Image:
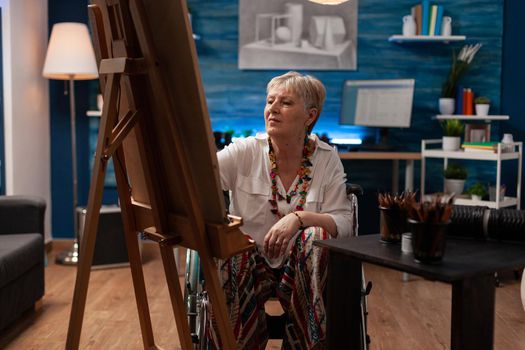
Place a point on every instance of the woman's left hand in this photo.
(277, 239)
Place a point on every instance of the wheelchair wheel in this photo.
(196, 300)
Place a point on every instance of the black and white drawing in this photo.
(274, 34)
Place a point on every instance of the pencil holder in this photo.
(392, 224)
(428, 240)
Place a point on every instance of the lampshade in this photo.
(328, 2)
(70, 54)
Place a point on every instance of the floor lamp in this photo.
(70, 56)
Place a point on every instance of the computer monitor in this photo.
(377, 103)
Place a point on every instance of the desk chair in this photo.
(197, 300)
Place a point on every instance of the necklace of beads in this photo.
(303, 174)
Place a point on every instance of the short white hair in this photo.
(309, 88)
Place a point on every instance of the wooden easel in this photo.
(155, 126)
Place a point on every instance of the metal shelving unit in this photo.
(501, 154)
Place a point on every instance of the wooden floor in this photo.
(403, 315)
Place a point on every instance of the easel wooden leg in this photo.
(177, 303)
(135, 261)
(87, 244)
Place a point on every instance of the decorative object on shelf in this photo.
(507, 138)
(455, 176)
(452, 131)
(493, 191)
(446, 26)
(482, 104)
(507, 143)
(477, 191)
(393, 209)
(429, 224)
(409, 25)
(446, 105)
(460, 65)
(70, 56)
(477, 133)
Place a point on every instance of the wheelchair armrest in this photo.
(354, 189)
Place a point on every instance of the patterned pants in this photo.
(249, 282)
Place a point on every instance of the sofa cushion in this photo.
(18, 254)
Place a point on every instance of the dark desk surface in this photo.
(462, 259)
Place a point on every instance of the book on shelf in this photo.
(480, 146)
(425, 16)
(428, 18)
(416, 14)
(433, 16)
(439, 19)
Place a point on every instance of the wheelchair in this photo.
(197, 302)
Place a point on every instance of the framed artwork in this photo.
(297, 35)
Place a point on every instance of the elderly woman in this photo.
(289, 187)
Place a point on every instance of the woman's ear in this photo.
(313, 113)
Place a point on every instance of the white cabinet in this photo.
(432, 149)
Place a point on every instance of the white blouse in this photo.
(245, 172)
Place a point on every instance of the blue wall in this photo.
(512, 78)
(236, 98)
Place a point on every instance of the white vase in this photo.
(295, 22)
(482, 109)
(454, 186)
(451, 143)
(446, 105)
(446, 26)
(409, 26)
(475, 197)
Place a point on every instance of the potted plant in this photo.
(452, 131)
(455, 176)
(482, 105)
(477, 191)
(460, 64)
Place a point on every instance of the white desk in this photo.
(395, 157)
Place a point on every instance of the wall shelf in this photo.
(425, 38)
(472, 117)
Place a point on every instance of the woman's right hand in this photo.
(277, 239)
